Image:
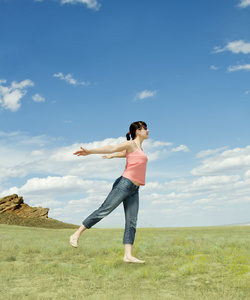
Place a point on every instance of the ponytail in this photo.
(128, 136)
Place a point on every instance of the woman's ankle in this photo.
(128, 256)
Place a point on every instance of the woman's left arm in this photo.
(115, 155)
(109, 149)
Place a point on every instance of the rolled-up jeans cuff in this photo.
(85, 225)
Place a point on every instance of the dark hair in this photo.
(133, 127)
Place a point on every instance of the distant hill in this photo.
(239, 224)
(13, 211)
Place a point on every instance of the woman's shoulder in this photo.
(132, 147)
(127, 143)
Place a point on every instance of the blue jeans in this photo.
(123, 190)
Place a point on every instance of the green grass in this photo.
(181, 263)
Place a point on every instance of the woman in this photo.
(125, 188)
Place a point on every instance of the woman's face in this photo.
(143, 132)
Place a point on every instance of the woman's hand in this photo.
(83, 152)
(107, 156)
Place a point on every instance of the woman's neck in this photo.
(138, 141)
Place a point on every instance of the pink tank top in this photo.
(135, 169)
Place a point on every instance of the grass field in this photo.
(181, 263)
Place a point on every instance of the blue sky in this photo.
(78, 72)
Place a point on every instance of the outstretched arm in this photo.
(105, 149)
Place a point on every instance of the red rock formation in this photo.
(15, 205)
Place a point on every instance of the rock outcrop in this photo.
(13, 211)
(15, 205)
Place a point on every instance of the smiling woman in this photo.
(125, 189)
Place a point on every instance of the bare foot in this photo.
(73, 241)
(133, 260)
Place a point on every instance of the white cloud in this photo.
(246, 93)
(212, 183)
(11, 100)
(238, 46)
(175, 184)
(229, 161)
(17, 151)
(239, 68)
(69, 78)
(37, 153)
(213, 68)
(23, 139)
(54, 185)
(183, 148)
(247, 174)
(91, 4)
(10, 96)
(145, 94)
(156, 144)
(210, 152)
(244, 3)
(22, 85)
(155, 149)
(235, 47)
(38, 98)
(163, 199)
